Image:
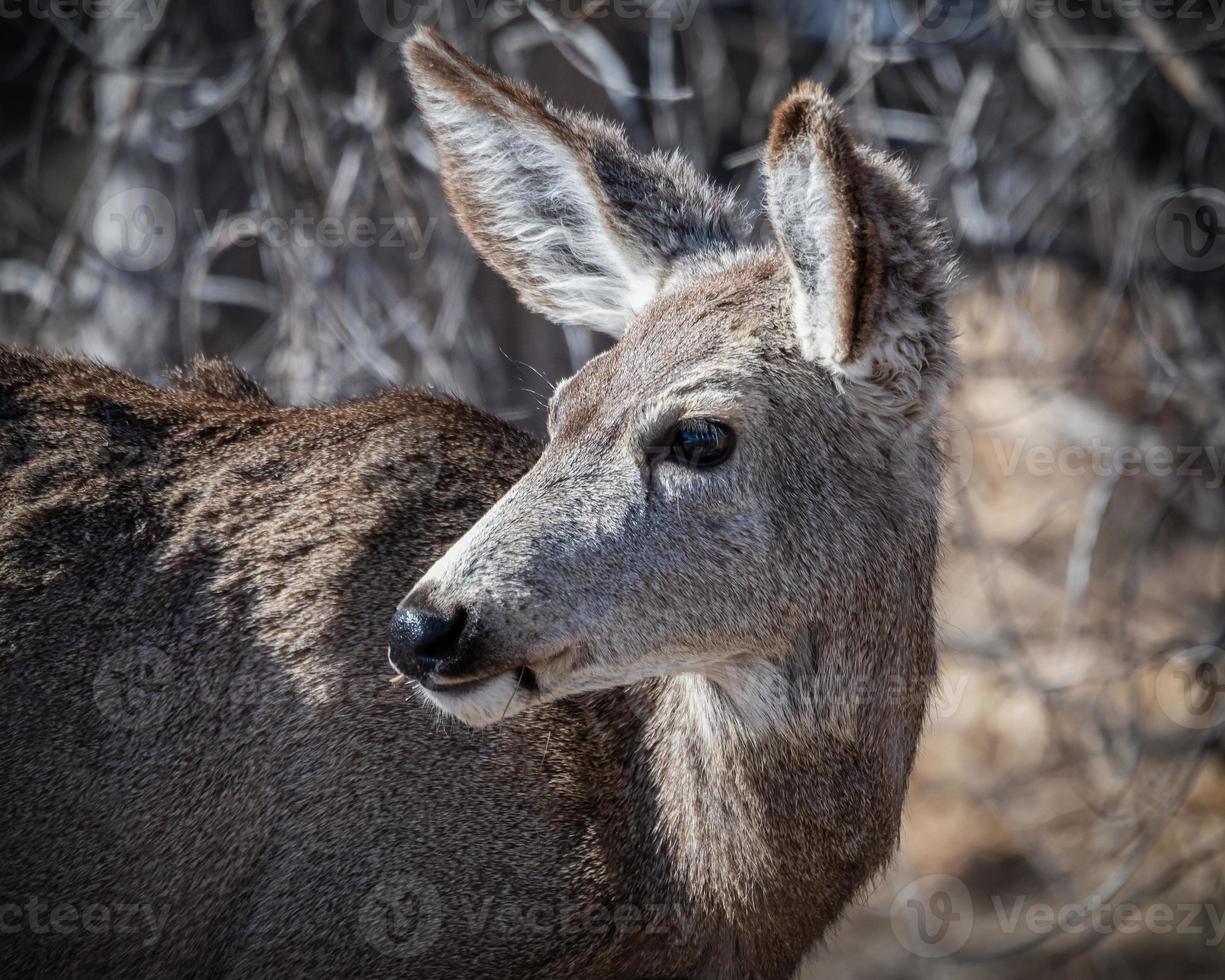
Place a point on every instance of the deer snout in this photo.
(424, 642)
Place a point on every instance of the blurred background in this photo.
(249, 178)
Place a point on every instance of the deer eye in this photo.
(700, 443)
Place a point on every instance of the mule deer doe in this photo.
(698, 623)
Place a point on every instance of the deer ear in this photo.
(582, 227)
(817, 188)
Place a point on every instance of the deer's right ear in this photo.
(582, 226)
(819, 200)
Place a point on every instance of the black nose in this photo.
(421, 640)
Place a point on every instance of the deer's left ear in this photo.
(819, 202)
(583, 227)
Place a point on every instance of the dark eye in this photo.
(700, 443)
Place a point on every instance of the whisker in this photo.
(513, 692)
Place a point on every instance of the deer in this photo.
(657, 682)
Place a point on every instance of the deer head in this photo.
(743, 491)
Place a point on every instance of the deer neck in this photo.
(772, 807)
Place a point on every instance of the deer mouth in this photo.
(525, 676)
(482, 698)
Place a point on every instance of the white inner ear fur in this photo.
(904, 366)
(803, 212)
(537, 201)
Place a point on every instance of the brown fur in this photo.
(729, 667)
(273, 781)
